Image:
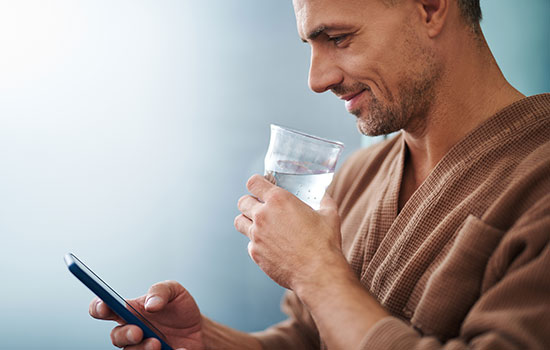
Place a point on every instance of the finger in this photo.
(269, 177)
(148, 344)
(248, 205)
(243, 224)
(259, 186)
(161, 294)
(98, 309)
(125, 335)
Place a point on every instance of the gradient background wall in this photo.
(128, 130)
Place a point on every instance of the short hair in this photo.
(471, 13)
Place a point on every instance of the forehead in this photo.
(311, 14)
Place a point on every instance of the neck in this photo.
(471, 90)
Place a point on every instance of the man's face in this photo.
(371, 55)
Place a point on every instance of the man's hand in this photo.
(291, 242)
(169, 307)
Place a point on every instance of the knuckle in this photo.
(163, 286)
(160, 289)
(277, 195)
(172, 283)
(170, 289)
(252, 251)
(253, 234)
(159, 286)
(260, 218)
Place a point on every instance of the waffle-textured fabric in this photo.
(466, 263)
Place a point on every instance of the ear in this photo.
(434, 15)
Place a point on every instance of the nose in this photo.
(324, 73)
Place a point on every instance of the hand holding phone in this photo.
(174, 319)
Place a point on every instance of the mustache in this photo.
(344, 90)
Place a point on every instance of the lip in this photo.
(352, 100)
(350, 96)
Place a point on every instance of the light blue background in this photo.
(128, 130)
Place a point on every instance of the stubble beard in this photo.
(416, 96)
(409, 111)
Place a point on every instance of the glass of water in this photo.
(301, 164)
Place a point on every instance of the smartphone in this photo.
(113, 299)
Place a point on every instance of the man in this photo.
(436, 238)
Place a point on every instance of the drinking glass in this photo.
(301, 164)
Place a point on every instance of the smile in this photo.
(353, 100)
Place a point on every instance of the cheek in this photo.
(373, 69)
(382, 52)
(385, 64)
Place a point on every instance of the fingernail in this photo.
(97, 306)
(149, 345)
(130, 336)
(152, 302)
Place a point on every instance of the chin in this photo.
(372, 126)
(367, 129)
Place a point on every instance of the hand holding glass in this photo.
(301, 164)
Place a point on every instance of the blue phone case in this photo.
(113, 299)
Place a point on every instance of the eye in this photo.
(337, 39)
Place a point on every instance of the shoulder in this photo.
(521, 172)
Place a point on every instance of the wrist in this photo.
(323, 280)
(218, 336)
(341, 306)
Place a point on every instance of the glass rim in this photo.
(334, 142)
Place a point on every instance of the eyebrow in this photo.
(315, 33)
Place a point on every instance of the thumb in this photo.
(161, 294)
